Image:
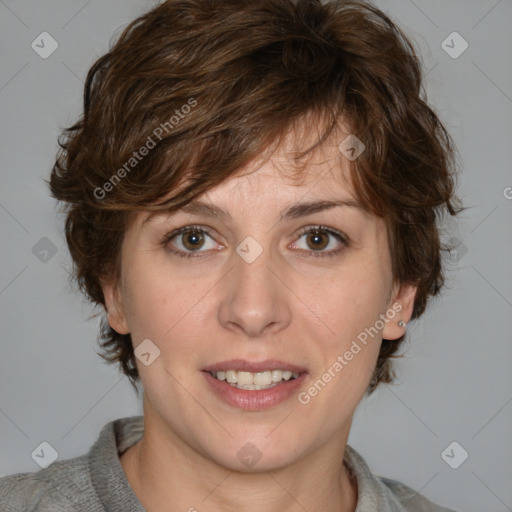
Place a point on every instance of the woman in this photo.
(252, 195)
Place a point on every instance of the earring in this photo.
(401, 323)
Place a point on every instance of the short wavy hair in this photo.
(194, 90)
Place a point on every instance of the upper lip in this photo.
(253, 366)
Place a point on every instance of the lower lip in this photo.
(258, 399)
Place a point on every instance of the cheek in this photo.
(350, 305)
(353, 298)
(164, 305)
(346, 354)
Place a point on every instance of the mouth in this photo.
(254, 385)
(254, 380)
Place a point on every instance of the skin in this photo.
(284, 305)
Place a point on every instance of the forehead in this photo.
(322, 171)
(279, 176)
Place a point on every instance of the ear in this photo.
(114, 307)
(402, 304)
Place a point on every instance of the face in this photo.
(264, 287)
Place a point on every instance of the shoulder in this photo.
(79, 484)
(376, 493)
(63, 486)
(410, 499)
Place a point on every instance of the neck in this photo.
(166, 473)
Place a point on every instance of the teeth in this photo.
(244, 378)
(277, 375)
(262, 378)
(254, 381)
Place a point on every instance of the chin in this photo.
(259, 451)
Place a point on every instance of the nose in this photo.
(255, 302)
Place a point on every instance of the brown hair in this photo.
(208, 86)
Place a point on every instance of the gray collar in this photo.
(107, 474)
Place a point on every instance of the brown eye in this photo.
(320, 241)
(317, 240)
(192, 240)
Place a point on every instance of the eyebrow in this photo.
(294, 211)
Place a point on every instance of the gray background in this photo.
(454, 383)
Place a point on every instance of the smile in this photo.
(254, 380)
(254, 386)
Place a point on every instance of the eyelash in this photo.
(310, 229)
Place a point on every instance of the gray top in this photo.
(96, 482)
